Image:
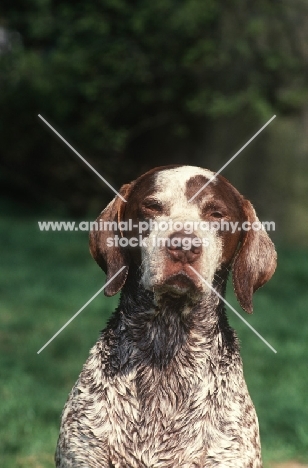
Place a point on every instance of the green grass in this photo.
(278, 382)
(47, 277)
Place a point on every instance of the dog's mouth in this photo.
(178, 284)
(180, 280)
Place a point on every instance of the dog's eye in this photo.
(152, 205)
(211, 210)
(216, 214)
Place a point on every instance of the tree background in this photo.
(132, 85)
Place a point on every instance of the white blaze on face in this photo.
(171, 192)
(171, 187)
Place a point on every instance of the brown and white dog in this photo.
(163, 386)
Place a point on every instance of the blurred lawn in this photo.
(47, 277)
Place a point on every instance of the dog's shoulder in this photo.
(84, 416)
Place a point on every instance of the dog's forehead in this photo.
(179, 179)
(177, 185)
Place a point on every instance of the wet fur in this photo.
(163, 386)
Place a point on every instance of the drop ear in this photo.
(255, 261)
(102, 246)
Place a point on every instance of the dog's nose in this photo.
(185, 248)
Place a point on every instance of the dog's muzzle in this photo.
(184, 248)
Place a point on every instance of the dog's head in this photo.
(178, 239)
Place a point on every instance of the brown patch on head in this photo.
(144, 187)
(141, 188)
(194, 184)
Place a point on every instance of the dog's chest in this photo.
(165, 419)
(159, 417)
(189, 413)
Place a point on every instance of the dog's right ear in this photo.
(109, 257)
(254, 263)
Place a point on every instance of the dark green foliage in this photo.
(133, 84)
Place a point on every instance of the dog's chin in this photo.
(179, 285)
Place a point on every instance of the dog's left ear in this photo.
(105, 251)
(255, 261)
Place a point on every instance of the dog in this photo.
(163, 386)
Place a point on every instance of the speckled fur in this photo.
(161, 390)
(163, 387)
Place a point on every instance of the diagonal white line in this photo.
(231, 159)
(80, 310)
(235, 311)
(83, 159)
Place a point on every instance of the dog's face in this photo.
(175, 239)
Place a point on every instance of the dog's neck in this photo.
(158, 331)
(166, 349)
